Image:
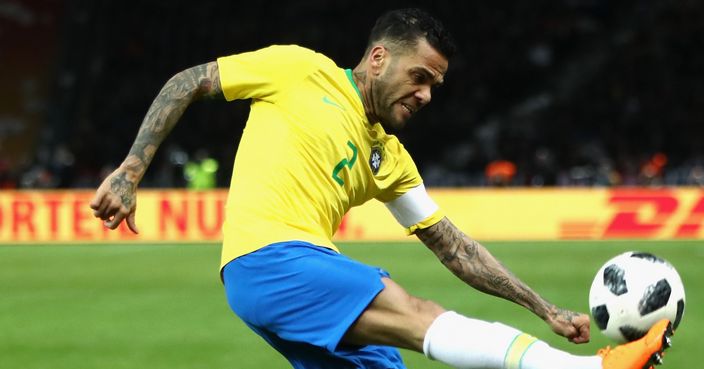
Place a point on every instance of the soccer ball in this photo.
(633, 291)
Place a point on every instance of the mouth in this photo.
(409, 109)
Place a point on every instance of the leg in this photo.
(302, 299)
(394, 318)
(398, 319)
(279, 289)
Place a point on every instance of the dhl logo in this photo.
(643, 214)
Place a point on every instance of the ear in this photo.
(377, 59)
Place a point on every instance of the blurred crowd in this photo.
(543, 93)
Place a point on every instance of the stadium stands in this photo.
(574, 92)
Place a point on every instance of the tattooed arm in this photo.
(115, 199)
(473, 264)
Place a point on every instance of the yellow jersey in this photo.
(308, 152)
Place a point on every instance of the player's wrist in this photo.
(133, 169)
(548, 312)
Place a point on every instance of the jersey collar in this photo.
(349, 76)
(348, 72)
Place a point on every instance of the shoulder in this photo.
(296, 53)
(392, 144)
(291, 50)
(265, 71)
(279, 54)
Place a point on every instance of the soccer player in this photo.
(314, 146)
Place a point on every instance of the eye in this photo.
(418, 78)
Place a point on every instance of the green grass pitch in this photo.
(157, 306)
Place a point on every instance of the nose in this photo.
(424, 95)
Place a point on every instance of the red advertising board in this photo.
(486, 214)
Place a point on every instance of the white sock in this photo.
(540, 355)
(466, 343)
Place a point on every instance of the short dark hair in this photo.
(406, 26)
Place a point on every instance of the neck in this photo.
(359, 75)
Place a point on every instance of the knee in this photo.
(426, 307)
(394, 318)
(420, 315)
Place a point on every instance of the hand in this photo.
(115, 200)
(574, 326)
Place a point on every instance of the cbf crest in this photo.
(376, 157)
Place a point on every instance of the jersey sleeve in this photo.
(264, 73)
(407, 199)
(415, 210)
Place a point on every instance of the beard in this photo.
(384, 102)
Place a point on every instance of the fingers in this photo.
(580, 339)
(108, 207)
(97, 201)
(584, 333)
(580, 335)
(115, 221)
(115, 201)
(131, 223)
(100, 210)
(111, 210)
(570, 332)
(571, 325)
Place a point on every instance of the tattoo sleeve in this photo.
(473, 264)
(202, 81)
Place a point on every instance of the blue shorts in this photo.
(302, 299)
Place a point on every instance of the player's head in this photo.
(403, 28)
(406, 56)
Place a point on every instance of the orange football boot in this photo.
(643, 353)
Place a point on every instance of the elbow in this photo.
(190, 84)
(180, 87)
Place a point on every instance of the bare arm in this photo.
(115, 199)
(178, 93)
(474, 264)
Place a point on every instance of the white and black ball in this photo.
(633, 291)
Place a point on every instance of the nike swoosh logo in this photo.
(330, 102)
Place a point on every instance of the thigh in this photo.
(394, 318)
(302, 299)
(305, 356)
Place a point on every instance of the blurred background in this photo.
(542, 93)
(595, 106)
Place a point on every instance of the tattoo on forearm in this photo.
(472, 263)
(563, 314)
(177, 94)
